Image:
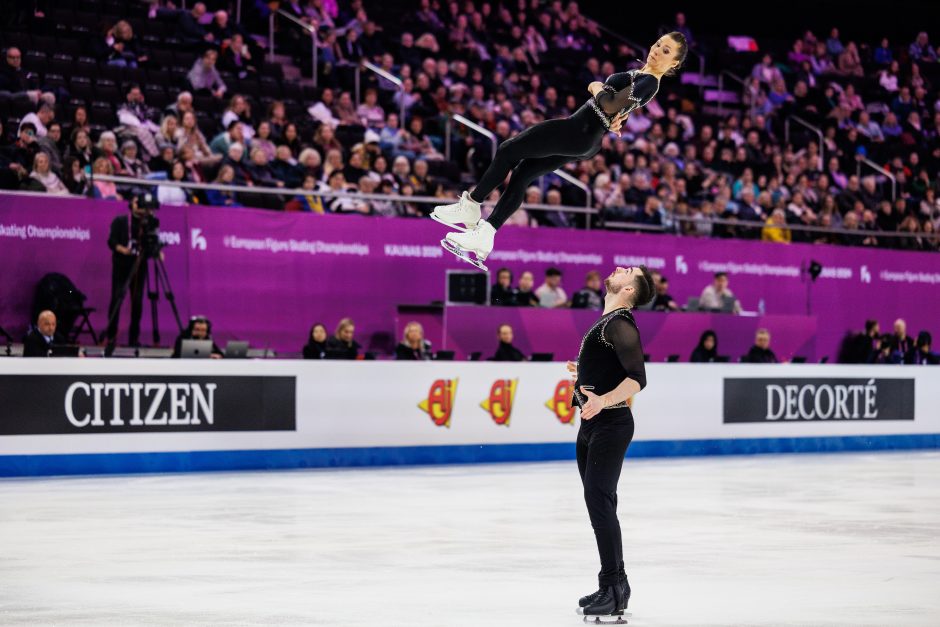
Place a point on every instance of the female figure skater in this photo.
(547, 146)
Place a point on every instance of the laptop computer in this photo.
(196, 349)
(236, 349)
(63, 350)
(543, 356)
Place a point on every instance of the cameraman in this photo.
(127, 234)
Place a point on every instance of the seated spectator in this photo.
(259, 171)
(204, 77)
(506, 351)
(921, 353)
(343, 345)
(921, 50)
(315, 348)
(550, 293)
(589, 296)
(74, 177)
(502, 293)
(40, 119)
(189, 136)
(107, 149)
(775, 228)
(714, 296)
(307, 200)
(263, 141)
(42, 179)
(106, 190)
(901, 342)
(285, 168)
(80, 148)
(342, 202)
(239, 110)
(236, 58)
(322, 110)
(199, 329)
(174, 196)
(139, 120)
(860, 348)
(760, 353)
(220, 198)
(663, 301)
(42, 337)
(134, 166)
(413, 346)
(371, 115)
(525, 297)
(707, 349)
(191, 30)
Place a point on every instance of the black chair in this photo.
(36, 61)
(81, 87)
(86, 66)
(672, 359)
(542, 356)
(444, 356)
(62, 64)
(83, 326)
(475, 356)
(107, 91)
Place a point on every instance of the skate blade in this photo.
(448, 224)
(606, 619)
(463, 254)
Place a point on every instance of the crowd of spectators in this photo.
(678, 166)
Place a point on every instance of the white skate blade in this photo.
(460, 253)
(605, 619)
(449, 224)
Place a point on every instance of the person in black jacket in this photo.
(315, 348)
(40, 339)
(760, 353)
(413, 346)
(921, 353)
(342, 345)
(525, 296)
(124, 241)
(506, 351)
(589, 296)
(707, 349)
(503, 292)
(199, 329)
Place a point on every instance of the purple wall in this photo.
(266, 276)
(559, 331)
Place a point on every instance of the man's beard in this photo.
(611, 288)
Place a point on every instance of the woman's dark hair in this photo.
(682, 49)
(705, 336)
(314, 328)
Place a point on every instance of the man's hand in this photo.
(593, 406)
(617, 122)
(572, 367)
(594, 87)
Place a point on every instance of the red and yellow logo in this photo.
(499, 403)
(560, 403)
(440, 401)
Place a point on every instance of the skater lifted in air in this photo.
(609, 371)
(547, 146)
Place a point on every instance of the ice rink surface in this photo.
(768, 540)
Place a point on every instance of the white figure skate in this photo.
(473, 246)
(465, 211)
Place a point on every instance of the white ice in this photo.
(769, 540)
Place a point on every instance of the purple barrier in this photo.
(266, 276)
(559, 331)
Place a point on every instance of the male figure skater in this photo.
(609, 371)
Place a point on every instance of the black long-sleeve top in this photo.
(610, 352)
(624, 92)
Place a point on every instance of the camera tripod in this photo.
(156, 282)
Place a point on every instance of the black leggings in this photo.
(602, 443)
(536, 151)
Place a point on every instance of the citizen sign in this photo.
(34, 405)
(800, 400)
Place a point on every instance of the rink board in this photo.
(113, 416)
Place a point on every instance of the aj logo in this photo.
(440, 401)
(560, 403)
(499, 403)
(198, 239)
